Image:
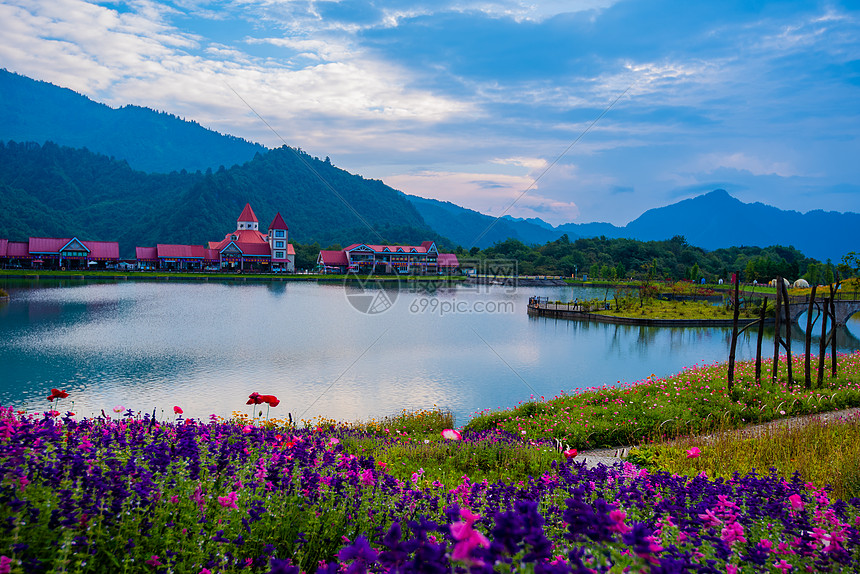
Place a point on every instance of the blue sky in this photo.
(476, 102)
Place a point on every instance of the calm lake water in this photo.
(207, 346)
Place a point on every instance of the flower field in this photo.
(128, 493)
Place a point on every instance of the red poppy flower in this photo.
(57, 394)
(272, 400)
(177, 410)
(254, 399)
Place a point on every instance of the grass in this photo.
(518, 443)
(694, 401)
(821, 452)
(213, 275)
(660, 309)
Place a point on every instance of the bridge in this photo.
(844, 308)
(797, 306)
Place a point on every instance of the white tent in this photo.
(801, 284)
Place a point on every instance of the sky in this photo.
(567, 110)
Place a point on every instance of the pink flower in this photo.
(118, 409)
(229, 501)
(154, 561)
(732, 533)
(618, 517)
(451, 434)
(367, 478)
(694, 452)
(177, 411)
(5, 565)
(796, 502)
(569, 453)
(782, 565)
(731, 569)
(467, 538)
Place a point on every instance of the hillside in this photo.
(469, 228)
(716, 219)
(150, 141)
(59, 191)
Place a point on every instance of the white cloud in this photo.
(745, 162)
(490, 193)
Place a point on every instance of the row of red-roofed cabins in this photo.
(58, 253)
(178, 257)
(423, 259)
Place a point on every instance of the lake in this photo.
(205, 346)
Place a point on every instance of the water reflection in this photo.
(207, 345)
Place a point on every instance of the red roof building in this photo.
(243, 248)
(401, 259)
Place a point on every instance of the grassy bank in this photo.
(52, 274)
(694, 401)
(661, 309)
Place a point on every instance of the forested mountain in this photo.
(470, 228)
(714, 220)
(58, 191)
(150, 141)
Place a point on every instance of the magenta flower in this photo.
(467, 538)
(229, 501)
(694, 452)
(154, 561)
(5, 565)
(451, 434)
(796, 502)
(618, 517)
(367, 477)
(732, 533)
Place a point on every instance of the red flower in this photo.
(254, 399)
(57, 394)
(272, 400)
(569, 453)
(177, 410)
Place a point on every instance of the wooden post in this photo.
(787, 343)
(734, 343)
(807, 371)
(822, 343)
(774, 369)
(833, 329)
(758, 342)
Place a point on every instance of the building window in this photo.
(279, 244)
(279, 254)
(279, 233)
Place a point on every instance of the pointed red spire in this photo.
(278, 222)
(247, 214)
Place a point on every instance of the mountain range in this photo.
(73, 166)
